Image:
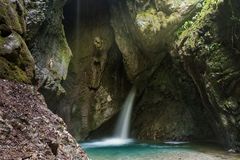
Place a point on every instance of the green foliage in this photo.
(214, 46)
(184, 27)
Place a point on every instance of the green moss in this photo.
(65, 53)
(8, 12)
(152, 20)
(18, 65)
(209, 7)
(184, 27)
(12, 72)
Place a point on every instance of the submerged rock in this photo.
(29, 130)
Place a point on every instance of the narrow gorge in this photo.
(79, 59)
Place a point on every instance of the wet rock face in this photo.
(96, 83)
(15, 58)
(46, 40)
(144, 29)
(210, 51)
(29, 130)
(39, 24)
(143, 32)
(110, 50)
(170, 107)
(153, 16)
(25, 121)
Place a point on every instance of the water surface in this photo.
(149, 151)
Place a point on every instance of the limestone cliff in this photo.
(33, 51)
(209, 48)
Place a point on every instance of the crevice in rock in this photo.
(53, 147)
(5, 31)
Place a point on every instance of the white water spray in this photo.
(123, 124)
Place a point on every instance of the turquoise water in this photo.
(150, 151)
(132, 151)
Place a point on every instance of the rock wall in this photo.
(96, 83)
(114, 46)
(144, 34)
(33, 43)
(33, 50)
(45, 37)
(29, 130)
(209, 49)
(181, 55)
(170, 107)
(16, 60)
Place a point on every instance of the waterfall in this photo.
(123, 124)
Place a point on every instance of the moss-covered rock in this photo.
(47, 43)
(144, 30)
(210, 51)
(12, 15)
(12, 72)
(96, 82)
(107, 45)
(16, 60)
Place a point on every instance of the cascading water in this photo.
(123, 124)
(120, 136)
